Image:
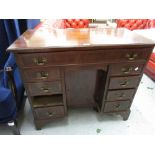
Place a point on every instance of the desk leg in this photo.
(38, 125)
(125, 114)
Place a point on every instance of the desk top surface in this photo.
(51, 38)
(149, 33)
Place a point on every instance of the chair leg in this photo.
(14, 126)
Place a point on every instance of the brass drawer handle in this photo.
(131, 56)
(117, 105)
(46, 90)
(50, 114)
(121, 96)
(126, 70)
(43, 75)
(124, 83)
(40, 61)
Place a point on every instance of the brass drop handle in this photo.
(43, 75)
(40, 61)
(124, 83)
(117, 105)
(121, 96)
(50, 114)
(126, 70)
(46, 90)
(131, 56)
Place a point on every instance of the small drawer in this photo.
(50, 112)
(117, 106)
(44, 88)
(126, 69)
(124, 82)
(120, 94)
(47, 101)
(41, 74)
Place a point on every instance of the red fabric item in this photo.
(150, 24)
(71, 23)
(132, 24)
(150, 74)
(76, 23)
(151, 66)
(152, 57)
(65, 23)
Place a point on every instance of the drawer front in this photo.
(124, 82)
(41, 74)
(115, 55)
(50, 112)
(82, 57)
(120, 94)
(126, 69)
(44, 88)
(47, 59)
(116, 106)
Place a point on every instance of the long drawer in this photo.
(82, 57)
(41, 74)
(114, 95)
(44, 88)
(124, 82)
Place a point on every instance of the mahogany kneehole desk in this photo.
(64, 68)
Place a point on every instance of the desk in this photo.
(69, 68)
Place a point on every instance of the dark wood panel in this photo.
(100, 88)
(124, 82)
(80, 87)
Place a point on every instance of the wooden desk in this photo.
(99, 68)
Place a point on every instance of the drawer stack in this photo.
(45, 88)
(123, 82)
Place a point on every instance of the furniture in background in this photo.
(11, 94)
(70, 68)
(10, 29)
(150, 68)
(11, 86)
(136, 24)
(71, 23)
(132, 24)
